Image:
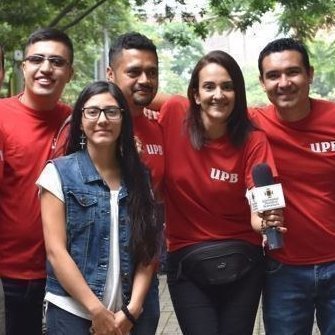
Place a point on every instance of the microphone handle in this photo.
(274, 238)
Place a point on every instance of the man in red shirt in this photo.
(29, 126)
(133, 66)
(301, 130)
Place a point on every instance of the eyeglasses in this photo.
(112, 113)
(55, 61)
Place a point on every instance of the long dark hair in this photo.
(141, 206)
(238, 124)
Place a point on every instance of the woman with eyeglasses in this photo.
(99, 221)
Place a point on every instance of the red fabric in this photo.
(26, 138)
(304, 153)
(205, 189)
(150, 136)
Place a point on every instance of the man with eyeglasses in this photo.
(133, 66)
(29, 127)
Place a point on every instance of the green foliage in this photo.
(179, 45)
(84, 20)
(300, 18)
(322, 57)
(305, 18)
(179, 48)
(255, 94)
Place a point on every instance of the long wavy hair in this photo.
(140, 202)
(238, 123)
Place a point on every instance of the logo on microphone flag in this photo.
(266, 198)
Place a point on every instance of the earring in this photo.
(82, 141)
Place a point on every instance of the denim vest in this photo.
(87, 207)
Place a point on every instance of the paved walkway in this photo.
(168, 324)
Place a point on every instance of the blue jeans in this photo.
(23, 305)
(147, 323)
(228, 309)
(293, 293)
(60, 322)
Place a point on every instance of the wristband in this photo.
(129, 316)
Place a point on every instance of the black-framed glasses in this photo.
(112, 113)
(55, 61)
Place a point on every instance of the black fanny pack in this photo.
(219, 262)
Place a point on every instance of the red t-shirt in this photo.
(152, 155)
(26, 140)
(205, 189)
(304, 153)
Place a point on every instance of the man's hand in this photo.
(151, 114)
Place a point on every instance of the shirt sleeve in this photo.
(49, 180)
(258, 151)
(176, 104)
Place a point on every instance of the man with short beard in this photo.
(133, 66)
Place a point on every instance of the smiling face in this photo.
(216, 95)
(101, 133)
(44, 82)
(136, 73)
(286, 82)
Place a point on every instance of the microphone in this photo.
(267, 196)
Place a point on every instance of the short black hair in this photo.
(131, 40)
(51, 34)
(280, 45)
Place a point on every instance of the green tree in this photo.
(87, 20)
(322, 57)
(255, 93)
(84, 20)
(301, 18)
(179, 48)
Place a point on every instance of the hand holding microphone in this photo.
(267, 198)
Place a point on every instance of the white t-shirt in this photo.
(112, 299)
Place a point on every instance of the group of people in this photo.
(82, 193)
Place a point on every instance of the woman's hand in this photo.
(123, 323)
(104, 323)
(273, 218)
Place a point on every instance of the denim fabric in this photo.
(293, 294)
(87, 201)
(147, 323)
(23, 305)
(61, 322)
(228, 309)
